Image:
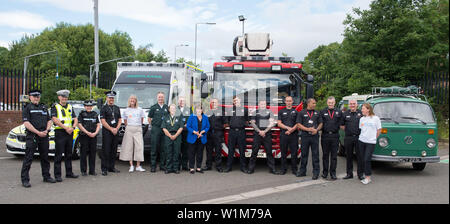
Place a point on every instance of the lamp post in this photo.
(180, 45)
(242, 19)
(27, 59)
(195, 51)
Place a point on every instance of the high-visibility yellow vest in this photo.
(66, 117)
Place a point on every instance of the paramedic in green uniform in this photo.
(155, 118)
(172, 127)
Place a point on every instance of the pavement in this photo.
(392, 183)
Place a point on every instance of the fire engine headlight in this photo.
(431, 143)
(238, 67)
(383, 142)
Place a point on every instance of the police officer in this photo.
(331, 118)
(350, 123)
(287, 118)
(237, 117)
(262, 122)
(65, 121)
(185, 112)
(310, 122)
(217, 122)
(172, 127)
(155, 118)
(89, 125)
(37, 123)
(111, 120)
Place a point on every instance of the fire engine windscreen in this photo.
(253, 87)
(146, 94)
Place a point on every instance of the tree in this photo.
(144, 53)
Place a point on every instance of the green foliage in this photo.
(144, 53)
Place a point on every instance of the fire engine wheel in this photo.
(419, 166)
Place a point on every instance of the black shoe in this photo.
(324, 176)
(83, 174)
(162, 168)
(300, 175)
(199, 171)
(219, 170)
(58, 179)
(333, 177)
(177, 171)
(104, 173)
(283, 172)
(72, 176)
(93, 174)
(274, 172)
(250, 171)
(244, 170)
(227, 170)
(49, 180)
(348, 177)
(315, 177)
(114, 170)
(26, 184)
(153, 170)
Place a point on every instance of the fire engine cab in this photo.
(252, 75)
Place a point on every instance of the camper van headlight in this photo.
(383, 142)
(431, 143)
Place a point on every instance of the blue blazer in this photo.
(192, 125)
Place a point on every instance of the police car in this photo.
(15, 141)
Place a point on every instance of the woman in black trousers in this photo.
(197, 126)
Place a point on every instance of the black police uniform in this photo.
(237, 118)
(351, 122)
(215, 138)
(309, 118)
(38, 116)
(157, 113)
(289, 118)
(111, 114)
(330, 140)
(262, 121)
(183, 161)
(89, 120)
(63, 144)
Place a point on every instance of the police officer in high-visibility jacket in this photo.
(65, 121)
(37, 123)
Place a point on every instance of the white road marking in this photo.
(6, 158)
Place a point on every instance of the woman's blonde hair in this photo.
(370, 108)
(129, 101)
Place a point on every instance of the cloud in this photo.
(4, 44)
(24, 20)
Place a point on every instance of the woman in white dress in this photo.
(133, 141)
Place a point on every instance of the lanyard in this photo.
(172, 120)
(310, 115)
(331, 114)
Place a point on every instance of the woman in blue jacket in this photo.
(197, 127)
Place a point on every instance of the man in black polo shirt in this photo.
(237, 119)
(287, 121)
(309, 122)
(350, 123)
(331, 118)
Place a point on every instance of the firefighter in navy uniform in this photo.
(310, 122)
(185, 112)
(215, 136)
(287, 118)
(111, 120)
(237, 117)
(263, 122)
(156, 116)
(89, 126)
(65, 122)
(37, 123)
(350, 123)
(331, 118)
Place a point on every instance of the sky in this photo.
(296, 26)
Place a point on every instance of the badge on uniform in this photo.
(113, 121)
(311, 122)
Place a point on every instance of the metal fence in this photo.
(11, 84)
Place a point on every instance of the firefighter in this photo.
(350, 124)
(155, 118)
(215, 136)
(309, 122)
(287, 118)
(172, 127)
(185, 112)
(37, 123)
(89, 126)
(65, 121)
(331, 118)
(262, 121)
(111, 120)
(237, 118)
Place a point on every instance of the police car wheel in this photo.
(76, 150)
(419, 166)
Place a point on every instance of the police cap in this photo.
(34, 92)
(110, 93)
(63, 93)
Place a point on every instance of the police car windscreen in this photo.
(149, 77)
(404, 112)
(145, 93)
(253, 87)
